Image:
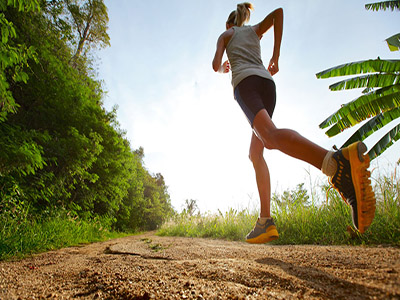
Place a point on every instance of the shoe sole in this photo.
(365, 197)
(269, 236)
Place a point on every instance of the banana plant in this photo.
(380, 99)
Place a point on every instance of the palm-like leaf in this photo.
(372, 126)
(367, 81)
(380, 99)
(365, 106)
(361, 67)
(394, 42)
(383, 5)
(385, 142)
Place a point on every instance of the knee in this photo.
(269, 143)
(269, 139)
(255, 155)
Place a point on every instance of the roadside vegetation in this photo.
(68, 174)
(322, 218)
(22, 234)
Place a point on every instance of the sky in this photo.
(170, 101)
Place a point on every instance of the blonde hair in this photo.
(241, 15)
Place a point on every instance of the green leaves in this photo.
(394, 42)
(392, 5)
(61, 147)
(373, 125)
(83, 23)
(360, 67)
(13, 57)
(385, 142)
(363, 107)
(380, 101)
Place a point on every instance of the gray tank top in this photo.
(244, 54)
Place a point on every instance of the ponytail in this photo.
(243, 13)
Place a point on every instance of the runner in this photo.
(254, 90)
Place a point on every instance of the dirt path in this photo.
(151, 267)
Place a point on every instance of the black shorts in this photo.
(255, 93)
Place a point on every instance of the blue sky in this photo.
(158, 71)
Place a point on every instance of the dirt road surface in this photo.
(152, 267)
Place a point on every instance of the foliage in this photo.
(381, 95)
(325, 221)
(22, 234)
(291, 199)
(394, 42)
(383, 5)
(231, 225)
(82, 22)
(13, 56)
(190, 207)
(61, 148)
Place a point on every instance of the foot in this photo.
(263, 233)
(352, 182)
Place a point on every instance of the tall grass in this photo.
(22, 233)
(232, 225)
(323, 220)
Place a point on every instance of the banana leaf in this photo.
(372, 126)
(359, 67)
(383, 5)
(360, 114)
(369, 81)
(365, 106)
(385, 142)
(394, 42)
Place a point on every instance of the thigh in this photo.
(253, 94)
(268, 94)
(264, 127)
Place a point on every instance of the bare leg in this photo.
(288, 141)
(262, 175)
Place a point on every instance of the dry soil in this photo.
(152, 267)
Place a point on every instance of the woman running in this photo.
(254, 90)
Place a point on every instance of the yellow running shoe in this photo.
(262, 234)
(352, 182)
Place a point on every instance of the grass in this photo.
(22, 234)
(300, 220)
(232, 225)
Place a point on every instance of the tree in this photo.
(13, 56)
(292, 198)
(84, 23)
(190, 207)
(61, 148)
(380, 102)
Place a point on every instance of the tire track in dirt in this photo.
(152, 267)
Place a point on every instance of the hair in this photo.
(241, 15)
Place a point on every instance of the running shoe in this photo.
(263, 233)
(352, 181)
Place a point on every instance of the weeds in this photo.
(22, 234)
(301, 221)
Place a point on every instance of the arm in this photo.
(219, 52)
(275, 19)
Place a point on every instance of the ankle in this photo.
(263, 220)
(329, 165)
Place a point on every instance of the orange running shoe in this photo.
(352, 182)
(263, 233)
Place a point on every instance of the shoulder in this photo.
(226, 36)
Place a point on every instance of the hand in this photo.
(273, 67)
(225, 67)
